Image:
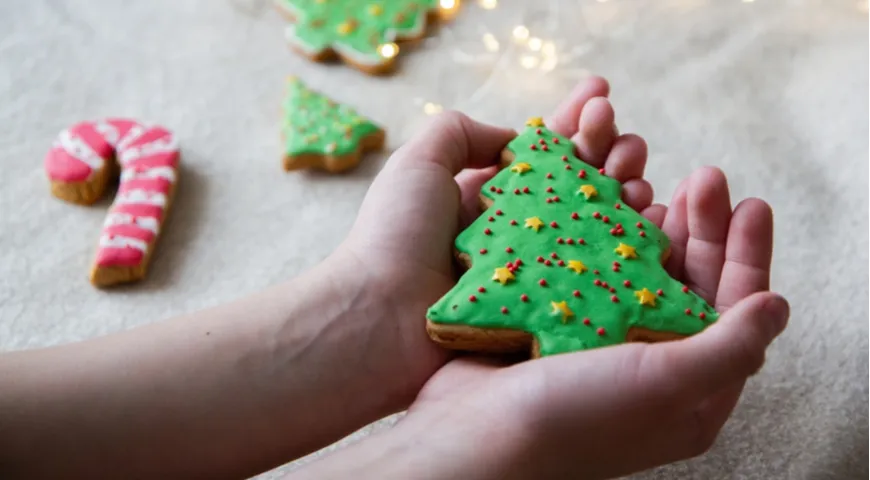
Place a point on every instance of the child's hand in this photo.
(616, 410)
(402, 242)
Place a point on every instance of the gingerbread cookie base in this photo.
(336, 163)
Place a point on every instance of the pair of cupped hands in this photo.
(591, 414)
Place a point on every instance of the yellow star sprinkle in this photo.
(577, 266)
(521, 168)
(645, 297)
(535, 223)
(562, 308)
(626, 251)
(502, 275)
(376, 9)
(535, 122)
(588, 190)
(346, 27)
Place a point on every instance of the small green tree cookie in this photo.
(559, 256)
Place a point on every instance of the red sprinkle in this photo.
(642, 233)
(481, 289)
(596, 214)
(605, 219)
(688, 311)
(639, 225)
(582, 174)
(615, 268)
(555, 140)
(472, 298)
(553, 255)
(569, 241)
(499, 190)
(517, 191)
(549, 189)
(619, 226)
(525, 189)
(660, 292)
(547, 263)
(575, 216)
(538, 131)
(581, 241)
(542, 282)
(702, 315)
(560, 240)
(600, 331)
(596, 272)
(605, 285)
(586, 321)
(518, 262)
(549, 175)
(549, 200)
(533, 147)
(487, 232)
(483, 251)
(513, 222)
(685, 289)
(508, 249)
(617, 206)
(564, 158)
(597, 282)
(627, 283)
(504, 310)
(499, 212)
(601, 171)
(576, 293)
(524, 298)
(613, 231)
(542, 141)
(540, 259)
(556, 198)
(567, 167)
(612, 290)
(616, 263)
(545, 148)
(561, 263)
(492, 188)
(491, 219)
(554, 224)
(614, 299)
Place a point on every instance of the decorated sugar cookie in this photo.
(362, 33)
(320, 133)
(83, 160)
(558, 263)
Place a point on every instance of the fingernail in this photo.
(776, 309)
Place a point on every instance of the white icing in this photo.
(156, 172)
(141, 196)
(77, 148)
(161, 145)
(120, 241)
(148, 223)
(108, 131)
(135, 132)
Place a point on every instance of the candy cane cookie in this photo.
(80, 164)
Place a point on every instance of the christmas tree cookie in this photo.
(360, 32)
(558, 263)
(319, 133)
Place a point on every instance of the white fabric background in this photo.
(773, 91)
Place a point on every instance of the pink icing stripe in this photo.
(138, 210)
(158, 184)
(63, 167)
(93, 138)
(122, 124)
(167, 159)
(150, 135)
(119, 257)
(129, 230)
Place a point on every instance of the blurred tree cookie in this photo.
(319, 133)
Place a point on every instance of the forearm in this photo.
(224, 392)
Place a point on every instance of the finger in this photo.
(727, 352)
(709, 213)
(637, 193)
(655, 213)
(676, 227)
(595, 134)
(470, 182)
(564, 120)
(747, 254)
(627, 158)
(452, 141)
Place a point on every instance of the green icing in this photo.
(536, 314)
(355, 28)
(315, 124)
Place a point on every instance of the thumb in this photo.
(725, 353)
(454, 141)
